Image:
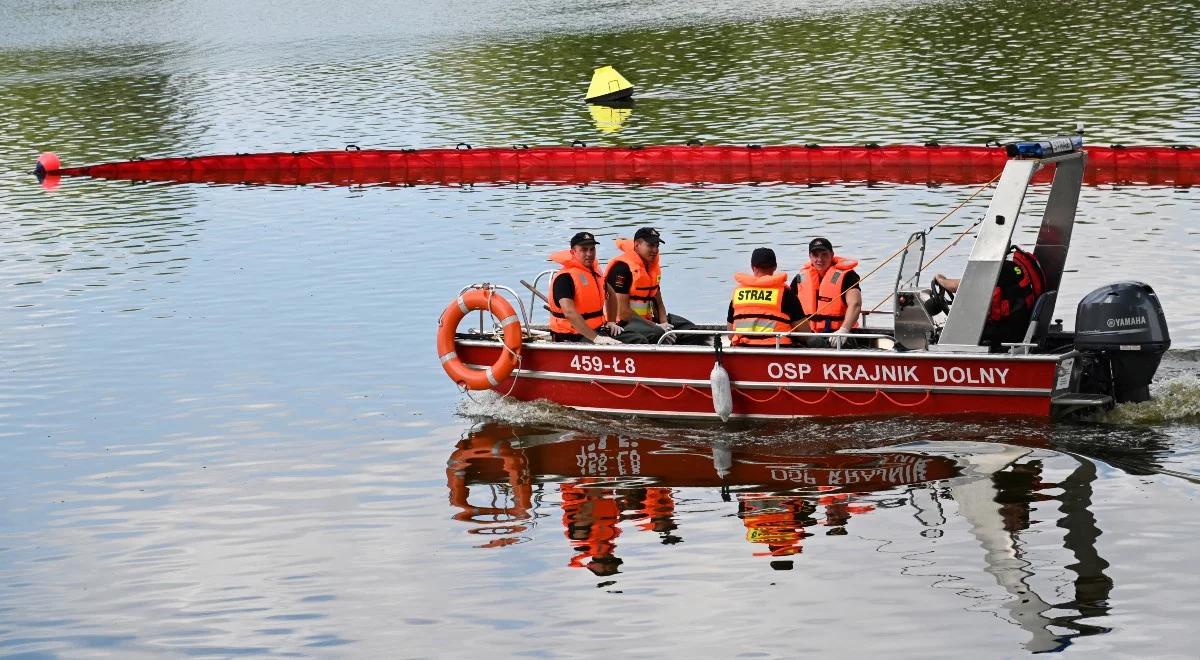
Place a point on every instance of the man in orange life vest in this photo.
(577, 295)
(827, 287)
(635, 300)
(762, 302)
(1020, 284)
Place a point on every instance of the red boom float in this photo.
(1165, 166)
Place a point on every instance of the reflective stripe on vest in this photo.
(758, 307)
(643, 290)
(824, 303)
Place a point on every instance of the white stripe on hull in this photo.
(771, 385)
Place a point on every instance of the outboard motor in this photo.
(1122, 333)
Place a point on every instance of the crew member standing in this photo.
(762, 302)
(577, 295)
(827, 287)
(635, 300)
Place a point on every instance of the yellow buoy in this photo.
(608, 85)
(609, 119)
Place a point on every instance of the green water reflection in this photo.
(953, 71)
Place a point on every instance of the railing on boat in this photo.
(836, 341)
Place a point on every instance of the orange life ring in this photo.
(478, 300)
(515, 465)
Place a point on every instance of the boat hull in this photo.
(780, 383)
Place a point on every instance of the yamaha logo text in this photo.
(1127, 321)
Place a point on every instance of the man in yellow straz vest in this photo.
(762, 302)
(827, 287)
(635, 300)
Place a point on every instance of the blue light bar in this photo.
(1045, 148)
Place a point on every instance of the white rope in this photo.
(498, 334)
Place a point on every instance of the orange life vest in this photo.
(776, 522)
(590, 518)
(1030, 286)
(758, 307)
(657, 511)
(589, 295)
(822, 299)
(646, 279)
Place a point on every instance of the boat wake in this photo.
(1172, 401)
(488, 405)
(1175, 394)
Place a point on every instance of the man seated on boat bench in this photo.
(635, 300)
(827, 287)
(577, 295)
(1018, 288)
(762, 302)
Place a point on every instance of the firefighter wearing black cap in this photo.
(761, 303)
(827, 287)
(634, 276)
(577, 295)
(635, 300)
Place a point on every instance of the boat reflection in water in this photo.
(609, 485)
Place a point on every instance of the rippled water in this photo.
(225, 432)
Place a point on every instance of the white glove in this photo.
(666, 327)
(601, 340)
(614, 329)
(669, 339)
(837, 339)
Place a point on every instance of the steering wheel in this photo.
(942, 298)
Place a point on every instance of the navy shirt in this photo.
(564, 287)
(620, 277)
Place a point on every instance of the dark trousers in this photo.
(640, 331)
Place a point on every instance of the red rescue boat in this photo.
(778, 383)
(930, 362)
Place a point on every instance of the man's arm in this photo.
(660, 307)
(624, 311)
(948, 283)
(568, 309)
(853, 309)
(618, 280)
(610, 302)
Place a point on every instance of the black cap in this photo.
(648, 234)
(763, 258)
(820, 244)
(583, 238)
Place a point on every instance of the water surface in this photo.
(225, 431)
